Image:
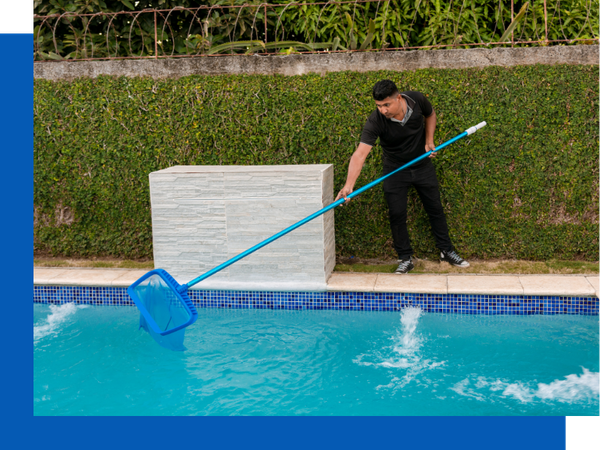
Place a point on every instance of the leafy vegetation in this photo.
(525, 187)
(236, 26)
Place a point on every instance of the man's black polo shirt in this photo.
(400, 143)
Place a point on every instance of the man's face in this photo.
(390, 106)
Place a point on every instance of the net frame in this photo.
(179, 294)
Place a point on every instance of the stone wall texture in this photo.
(319, 63)
(203, 216)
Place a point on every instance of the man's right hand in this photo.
(345, 192)
(356, 163)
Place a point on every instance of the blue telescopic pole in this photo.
(204, 276)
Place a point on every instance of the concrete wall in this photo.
(203, 216)
(319, 63)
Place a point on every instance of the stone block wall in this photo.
(319, 63)
(204, 215)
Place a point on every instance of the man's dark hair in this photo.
(384, 89)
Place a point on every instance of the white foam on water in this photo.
(403, 354)
(401, 363)
(409, 342)
(497, 385)
(519, 391)
(391, 384)
(58, 315)
(359, 360)
(573, 388)
(462, 388)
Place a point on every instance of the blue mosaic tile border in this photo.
(352, 301)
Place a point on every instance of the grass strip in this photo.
(421, 266)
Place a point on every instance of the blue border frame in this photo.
(16, 226)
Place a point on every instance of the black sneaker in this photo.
(453, 258)
(405, 266)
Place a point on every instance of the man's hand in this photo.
(430, 147)
(356, 163)
(429, 133)
(345, 192)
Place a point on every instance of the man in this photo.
(405, 125)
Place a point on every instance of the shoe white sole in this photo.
(463, 265)
(404, 273)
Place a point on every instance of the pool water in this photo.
(92, 360)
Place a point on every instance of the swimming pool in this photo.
(92, 360)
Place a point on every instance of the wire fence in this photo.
(333, 26)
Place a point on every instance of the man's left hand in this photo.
(428, 148)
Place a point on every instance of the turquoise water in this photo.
(94, 361)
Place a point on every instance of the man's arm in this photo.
(429, 132)
(356, 163)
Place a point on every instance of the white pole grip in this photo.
(475, 128)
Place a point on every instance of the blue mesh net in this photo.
(165, 306)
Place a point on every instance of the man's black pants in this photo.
(424, 179)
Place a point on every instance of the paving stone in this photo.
(352, 282)
(45, 275)
(594, 281)
(427, 284)
(481, 284)
(556, 285)
(128, 278)
(84, 277)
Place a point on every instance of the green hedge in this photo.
(526, 186)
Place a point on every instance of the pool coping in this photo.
(580, 285)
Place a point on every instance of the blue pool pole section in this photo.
(211, 272)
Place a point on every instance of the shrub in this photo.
(526, 186)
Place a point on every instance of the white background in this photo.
(16, 16)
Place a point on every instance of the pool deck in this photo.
(549, 285)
